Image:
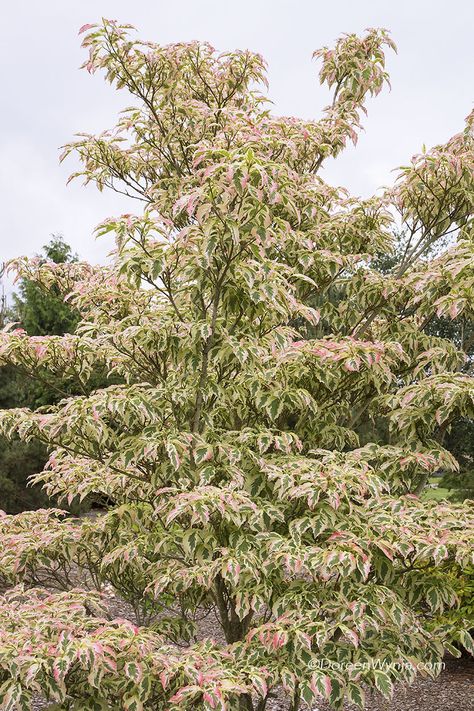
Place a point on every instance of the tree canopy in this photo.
(251, 326)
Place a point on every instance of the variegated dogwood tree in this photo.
(248, 333)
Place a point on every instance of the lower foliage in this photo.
(375, 624)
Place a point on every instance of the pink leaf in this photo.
(84, 28)
(327, 686)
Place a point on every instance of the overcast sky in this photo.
(46, 98)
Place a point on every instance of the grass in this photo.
(435, 492)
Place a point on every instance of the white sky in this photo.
(46, 99)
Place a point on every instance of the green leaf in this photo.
(203, 453)
(467, 641)
(355, 694)
(132, 702)
(383, 683)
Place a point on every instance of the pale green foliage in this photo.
(230, 456)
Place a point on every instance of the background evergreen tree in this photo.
(40, 313)
(459, 439)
